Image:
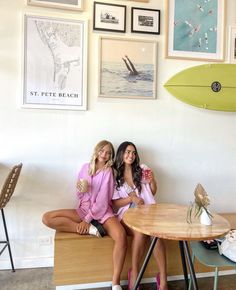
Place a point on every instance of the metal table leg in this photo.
(184, 265)
(145, 263)
(190, 265)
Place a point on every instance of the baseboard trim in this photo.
(144, 281)
(25, 263)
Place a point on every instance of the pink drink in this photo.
(146, 174)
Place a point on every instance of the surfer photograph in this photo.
(129, 70)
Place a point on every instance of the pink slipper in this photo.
(158, 281)
(129, 274)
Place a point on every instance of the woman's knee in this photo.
(160, 245)
(46, 218)
(117, 233)
(121, 237)
(139, 237)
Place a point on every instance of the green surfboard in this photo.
(209, 86)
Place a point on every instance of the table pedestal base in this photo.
(145, 262)
(185, 257)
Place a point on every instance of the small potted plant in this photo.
(198, 208)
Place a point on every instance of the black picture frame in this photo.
(144, 20)
(109, 17)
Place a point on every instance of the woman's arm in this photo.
(121, 202)
(132, 198)
(148, 176)
(100, 205)
(153, 184)
(83, 174)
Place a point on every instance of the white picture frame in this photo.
(195, 31)
(54, 63)
(145, 1)
(129, 71)
(232, 44)
(60, 4)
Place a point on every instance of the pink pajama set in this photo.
(96, 203)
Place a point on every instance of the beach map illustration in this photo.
(195, 25)
(53, 62)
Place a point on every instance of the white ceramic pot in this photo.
(205, 219)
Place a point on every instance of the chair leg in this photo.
(190, 280)
(216, 278)
(7, 240)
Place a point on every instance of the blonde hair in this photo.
(97, 149)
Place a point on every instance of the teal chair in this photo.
(210, 258)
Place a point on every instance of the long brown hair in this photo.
(120, 166)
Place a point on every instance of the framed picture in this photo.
(109, 17)
(129, 70)
(55, 63)
(145, 20)
(232, 44)
(137, 0)
(62, 4)
(195, 29)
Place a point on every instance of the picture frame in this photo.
(55, 78)
(195, 31)
(144, 20)
(109, 17)
(145, 1)
(232, 44)
(60, 4)
(129, 71)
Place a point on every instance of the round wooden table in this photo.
(168, 221)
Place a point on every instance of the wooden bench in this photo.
(87, 259)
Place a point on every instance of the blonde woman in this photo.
(94, 211)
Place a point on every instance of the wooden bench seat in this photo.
(87, 259)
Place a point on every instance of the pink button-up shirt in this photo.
(96, 203)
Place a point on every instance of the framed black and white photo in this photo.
(55, 63)
(109, 17)
(145, 20)
(61, 4)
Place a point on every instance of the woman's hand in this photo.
(83, 228)
(149, 177)
(137, 200)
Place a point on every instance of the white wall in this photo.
(183, 144)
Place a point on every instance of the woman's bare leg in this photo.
(159, 253)
(128, 67)
(137, 252)
(116, 231)
(64, 220)
(132, 66)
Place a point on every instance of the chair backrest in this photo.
(9, 185)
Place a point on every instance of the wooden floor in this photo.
(41, 279)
